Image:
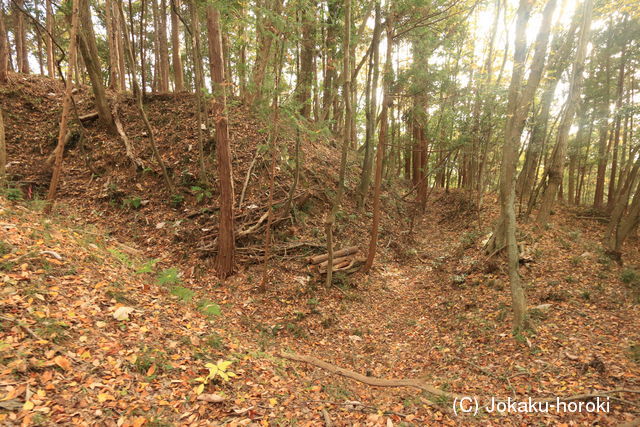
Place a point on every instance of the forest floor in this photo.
(110, 313)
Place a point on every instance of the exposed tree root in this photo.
(421, 385)
(372, 381)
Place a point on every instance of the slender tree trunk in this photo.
(163, 48)
(382, 140)
(137, 93)
(66, 109)
(49, 22)
(4, 49)
(616, 132)
(557, 161)
(199, 87)
(365, 177)
(507, 171)
(226, 239)
(306, 60)
(275, 155)
(178, 77)
(558, 62)
(21, 39)
(346, 140)
(118, 22)
(3, 154)
(265, 38)
(38, 37)
(519, 103)
(603, 153)
(114, 83)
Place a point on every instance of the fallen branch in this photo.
(88, 117)
(23, 326)
(248, 177)
(337, 254)
(337, 260)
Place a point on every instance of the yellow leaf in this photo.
(28, 405)
(103, 397)
(273, 401)
(200, 389)
(223, 365)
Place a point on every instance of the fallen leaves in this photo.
(211, 398)
(62, 362)
(122, 313)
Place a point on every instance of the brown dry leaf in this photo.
(62, 362)
(211, 398)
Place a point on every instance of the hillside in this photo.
(111, 310)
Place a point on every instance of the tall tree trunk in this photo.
(346, 140)
(519, 103)
(371, 117)
(4, 48)
(226, 239)
(603, 153)
(305, 77)
(21, 39)
(507, 171)
(178, 77)
(616, 132)
(89, 51)
(557, 161)
(114, 83)
(38, 37)
(558, 62)
(163, 48)
(118, 22)
(137, 93)
(382, 141)
(199, 87)
(51, 69)
(3, 154)
(265, 38)
(66, 109)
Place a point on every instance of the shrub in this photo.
(170, 276)
(629, 276)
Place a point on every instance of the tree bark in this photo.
(137, 93)
(507, 171)
(4, 49)
(226, 239)
(199, 87)
(365, 176)
(519, 103)
(163, 48)
(66, 109)
(382, 140)
(49, 22)
(557, 161)
(89, 51)
(114, 83)
(346, 140)
(3, 154)
(616, 132)
(305, 76)
(21, 39)
(178, 76)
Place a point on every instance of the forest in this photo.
(319, 212)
